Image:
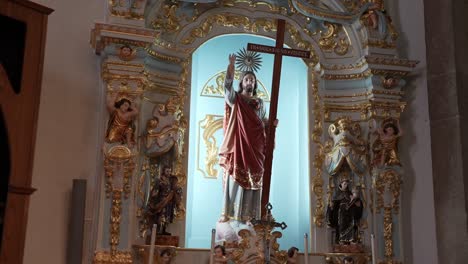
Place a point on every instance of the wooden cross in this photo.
(279, 52)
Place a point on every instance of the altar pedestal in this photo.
(164, 240)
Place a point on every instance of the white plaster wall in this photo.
(418, 217)
(67, 135)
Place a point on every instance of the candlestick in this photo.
(153, 240)
(374, 257)
(213, 233)
(306, 248)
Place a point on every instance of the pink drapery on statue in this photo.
(242, 153)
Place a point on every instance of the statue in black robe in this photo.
(344, 214)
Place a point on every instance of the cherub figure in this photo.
(126, 53)
(389, 82)
(292, 255)
(220, 255)
(386, 146)
(120, 128)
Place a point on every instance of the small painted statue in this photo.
(164, 202)
(220, 256)
(344, 214)
(385, 148)
(120, 128)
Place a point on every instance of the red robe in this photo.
(242, 153)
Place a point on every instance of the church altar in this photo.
(162, 139)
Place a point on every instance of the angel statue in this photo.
(347, 149)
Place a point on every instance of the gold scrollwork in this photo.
(210, 124)
(163, 57)
(331, 42)
(300, 43)
(317, 181)
(239, 250)
(116, 212)
(168, 21)
(118, 156)
(229, 20)
(391, 61)
(353, 76)
(117, 257)
(389, 72)
(388, 233)
(335, 67)
(392, 180)
(383, 44)
(217, 89)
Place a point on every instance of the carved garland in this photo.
(392, 180)
(317, 181)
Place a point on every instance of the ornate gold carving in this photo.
(229, 20)
(301, 43)
(255, 4)
(367, 109)
(388, 234)
(134, 36)
(128, 13)
(317, 181)
(165, 76)
(330, 41)
(118, 257)
(353, 76)
(168, 21)
(163, 57)
(119, 153)
(383, 44)
(366, 94)
(217, 89)
(243, 246)
(356, 65)
(391, 61)
(116, 211)
(115, 157)
(389, 73)
(337, 258)
(392, 180)
(210, 124)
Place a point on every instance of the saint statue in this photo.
(242, 152)
(344, 214)
(164, 202)
(120, 128)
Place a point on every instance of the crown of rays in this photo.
(248, 60)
